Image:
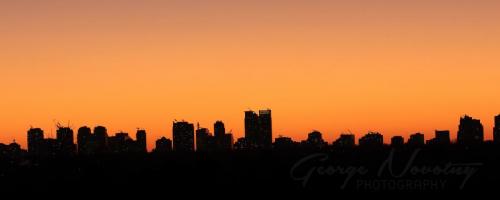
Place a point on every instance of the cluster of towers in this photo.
(258, 135)
(186, 139)
(88, 142)
(258, 131)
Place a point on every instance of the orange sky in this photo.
(392, 66)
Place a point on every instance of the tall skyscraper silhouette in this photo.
(470, 131)
(251, 128)
(223, 141)
(100, 139)
(84, 140)
(141, 140)
(259, 129)
(266, 128)
(219, 129)
(35, 141)
(496, 130)
(183, 137)
(65, 140)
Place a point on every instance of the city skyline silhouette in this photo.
(196, 155)
(249, 96)
(152, 141)
(258, 134)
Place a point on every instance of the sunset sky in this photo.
(393, 66)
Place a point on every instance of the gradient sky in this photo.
(393, 66)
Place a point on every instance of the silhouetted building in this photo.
(251, 128)
(65, 141)
(416, 140)
(442, 138)
(496, 130)
(397, 141)
(121, 143)
(141, 144)
(315, 141)
(183, 136)
(223, 141)
(266, 129)
(259, 129)
(204, 140)
(84, 140)
(371, 140)
(470, 131)
(284, 143)
(219, 129)
(12, 151)
(163, 145)
(345, 141)
(100, 139)
(35, 141)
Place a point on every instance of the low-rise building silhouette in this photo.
(372, 140)
(284, 143)
(442, 138)
(314, 141)
(12, 150)
(345, 141)
(123, 143)
(397, 141)
(120, 143)
(416, 140)
(163, 145)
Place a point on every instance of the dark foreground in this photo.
(288, 171)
